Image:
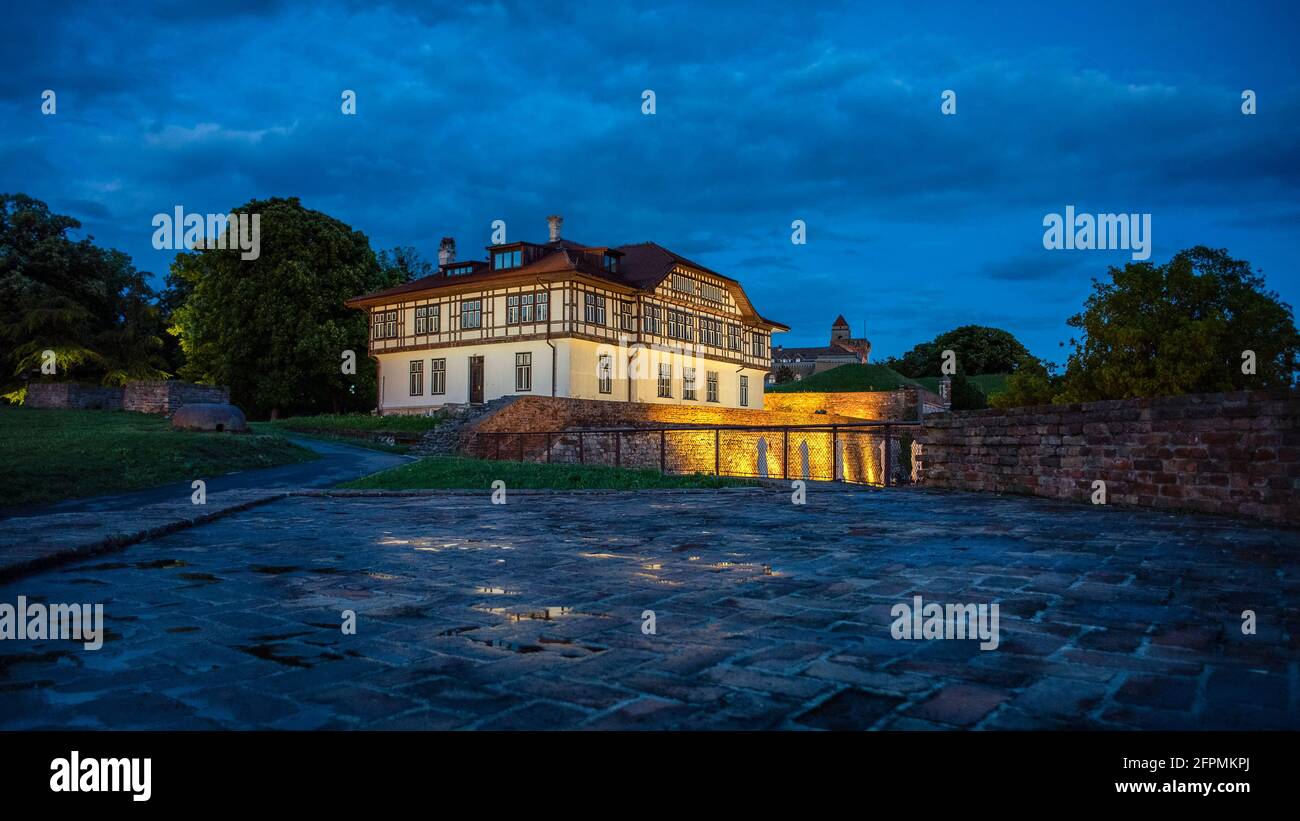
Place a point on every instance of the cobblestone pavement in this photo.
(767, 615)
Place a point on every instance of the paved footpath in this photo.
(31, 538)
(766, 615)
(339, 462)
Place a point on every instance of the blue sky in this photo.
(766, 113)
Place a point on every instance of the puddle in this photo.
(161, 564)
(273, 637)
(199, 577)
(100, 566)
(267, 652)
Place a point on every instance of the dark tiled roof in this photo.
(642, 265)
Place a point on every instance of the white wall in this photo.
(576, 375)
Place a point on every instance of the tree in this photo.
(1032, 383)
(405, 263)
(966, 395)
(1181, 327)
(978, 350)
(784, 374)
(88, 305)
(275, 329)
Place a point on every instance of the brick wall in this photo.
(75, 395)
(166, 397)
(1233, 453)
(899, 404)
(542, 413)
(142, 397)
(735, 452)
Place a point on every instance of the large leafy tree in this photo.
(87, 304)
(275, 328)
(1181, 327)
(978, 350)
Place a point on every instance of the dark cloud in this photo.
(767, 112)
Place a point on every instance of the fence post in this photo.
(717, 451)
(618, 449)
(582, 459)
(785, 453)
(548, 448)
(835, 453)
(888, 457)
(663, 451)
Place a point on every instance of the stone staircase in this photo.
(444, 440)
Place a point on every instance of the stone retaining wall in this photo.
(883, 405)
(1230, 453)
(162, 397)
(165, 397)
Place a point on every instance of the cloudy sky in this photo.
(766, 113)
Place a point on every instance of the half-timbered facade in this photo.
(632, 323)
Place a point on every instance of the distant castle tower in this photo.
(840, 329)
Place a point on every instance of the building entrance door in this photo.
(476, 379)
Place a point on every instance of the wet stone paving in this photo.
(767, 615)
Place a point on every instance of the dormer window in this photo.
(460, 270)
(506, 259)
(611, 263)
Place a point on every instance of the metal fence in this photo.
(876, 453)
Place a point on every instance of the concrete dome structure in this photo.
(210, 417)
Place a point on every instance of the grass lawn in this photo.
(458, 473)
(358, 423)
(990, 383)
(847, 378)
(50, 455)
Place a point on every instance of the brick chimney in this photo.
(447, 251)
(554, 222)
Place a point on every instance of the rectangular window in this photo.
(471, 313)
(595, 309)
(760, 345)
(390, 324)
(506, 259)
(434, 317)
(460, 270)
(523, 372)
(681, 325)
(512, 309)
(417, 377)
(711, 386)
(438, 376)
(652, 319)
(734, 337)
(684, 284)
(525, 307)
(665, 380)
(422, 323)
(744, 391)
(605, 373)
(688, 383)
(710, 331)
(611, 263)
(377, 330)
(712, 292)
(626, 320)
(542, 302)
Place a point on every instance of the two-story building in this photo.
(628, 323)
